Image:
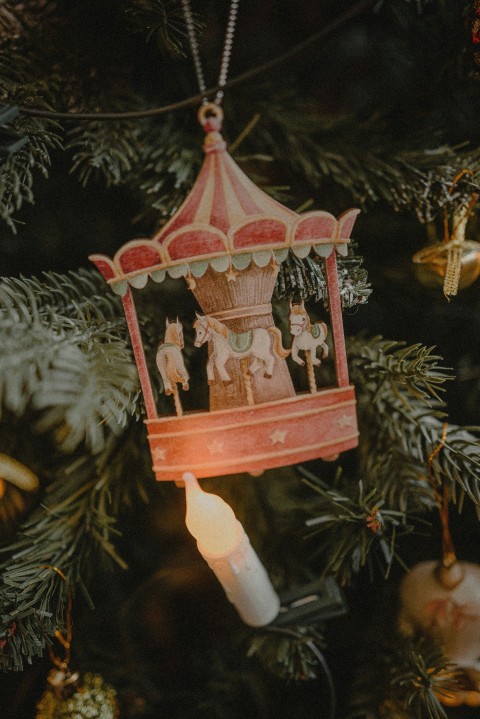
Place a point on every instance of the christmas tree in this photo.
(107, 608)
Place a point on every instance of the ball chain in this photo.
(227, 48)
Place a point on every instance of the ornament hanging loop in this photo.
(210, 117)
(64, 638)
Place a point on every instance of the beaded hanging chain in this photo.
(226, 54)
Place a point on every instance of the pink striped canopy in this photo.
(225, 215)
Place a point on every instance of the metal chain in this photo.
(227, 48)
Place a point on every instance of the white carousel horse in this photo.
(256, 343)
(170, 360)
(306, 336)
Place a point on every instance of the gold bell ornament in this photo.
(70, 695)
(453, 263)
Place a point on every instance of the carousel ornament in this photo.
(227, 242)
(227, 222)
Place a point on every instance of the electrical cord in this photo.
(197, 99)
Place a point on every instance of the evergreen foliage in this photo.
(383, 113)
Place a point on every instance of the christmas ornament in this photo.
(92, 698)
(443, 603)
(227, 241)
(441, 600)
(454, 263)
(69, 695)
(16, 480)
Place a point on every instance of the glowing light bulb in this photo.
(222, 542)
(210, 520)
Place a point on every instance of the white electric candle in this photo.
(223, 543)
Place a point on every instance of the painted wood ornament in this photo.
(226, 242)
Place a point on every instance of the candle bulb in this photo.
(223, 543)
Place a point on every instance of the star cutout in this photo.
(345, 421)
(278, 437)
(191, 284)
(159, 455)
(232, 274)
(215, 447)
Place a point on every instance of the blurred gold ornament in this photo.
(431, 264)
(88, 698)
(15, 481)
(69, 696)
(454, 263)
(443, 602)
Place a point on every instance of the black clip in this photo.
(311, 603)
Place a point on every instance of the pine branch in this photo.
(401, 679)
(352, 527)
(18, 172)
(414, 174)
(169, 163)
(305, 280)
(162, 22)
(101, 149)
(66, 356)
(288, 655)
(401, 417)
(74, 530)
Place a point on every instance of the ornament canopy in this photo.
(225, 221)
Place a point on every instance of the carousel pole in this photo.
(137, 346)
(341, 366)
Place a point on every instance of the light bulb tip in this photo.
(190, 479)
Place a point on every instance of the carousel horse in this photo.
(170, 360)
(256, 343)
(306, 336)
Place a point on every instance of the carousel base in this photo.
(254, 438)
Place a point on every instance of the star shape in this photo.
(191, 284)
(232, 274)
(345, 421)
(159, 455)
(215, 447)
(278, 437)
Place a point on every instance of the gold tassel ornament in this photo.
(454, 263)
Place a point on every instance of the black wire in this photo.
(210, 92)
